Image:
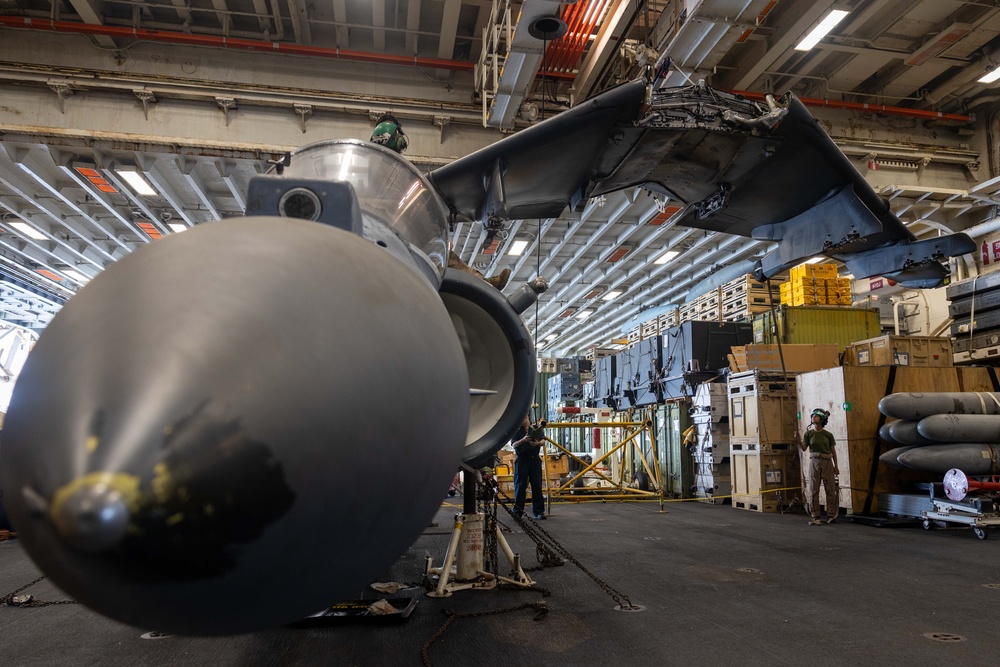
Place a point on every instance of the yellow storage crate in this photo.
(800, 299)
(800, 272)
(825, 271)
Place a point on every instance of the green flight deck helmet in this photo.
(389, 133)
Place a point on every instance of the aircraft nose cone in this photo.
(259, 404)
(91, 517)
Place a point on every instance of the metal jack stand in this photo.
(463, 562)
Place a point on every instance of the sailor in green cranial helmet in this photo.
(389, 133)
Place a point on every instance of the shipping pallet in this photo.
(743, 285)
(650, 329)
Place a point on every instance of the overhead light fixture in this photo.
(551, 337)
(177, 227)
(136, 181)
(75, 275)
(991, 76)
(814, 260)
(666, 257)
(584, 314)
(29, 231)
(820, 31)
(612, 295)
(517, 247)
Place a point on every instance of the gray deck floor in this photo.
(719, 586)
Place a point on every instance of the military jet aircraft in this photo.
(231, 428)
(766, 170)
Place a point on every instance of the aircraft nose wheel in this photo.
(980, 533)
(927, 524)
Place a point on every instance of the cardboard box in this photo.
(797, 358)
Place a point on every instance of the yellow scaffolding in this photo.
(618, 489)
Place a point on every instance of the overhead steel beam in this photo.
(151, 171)
(615, 315)
(222, 12)
(449, 29)
(412, 25)
(226, 169)
(811, 13)
(378, 25)
(340, 16)
(90, 12)
(300, 21)
(37, 251)
(137, 201)
(56, 216)
(186, 166)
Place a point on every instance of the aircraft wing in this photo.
(765, 169)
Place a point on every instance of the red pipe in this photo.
(863, 106)
(565, 44)
(583, 38)
(229, 43)
(573, 16)
(579, 39)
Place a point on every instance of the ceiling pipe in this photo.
(230, 43)
(966, 75)
(565, 45)
(572, 16)
(865, 107)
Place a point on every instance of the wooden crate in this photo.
(710, 315)
(765, 482)
(708, 301)
(635, 335)
(762, 412)
(742, 285)
(892, 350)
(688, 311)
(670, 319)
(650, 329)
(851, 394)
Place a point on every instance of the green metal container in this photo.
(816, 325)
(676, 463)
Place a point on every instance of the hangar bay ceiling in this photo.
(197, 96)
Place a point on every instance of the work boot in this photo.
(815, 521)
(500, 280)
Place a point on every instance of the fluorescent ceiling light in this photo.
(666, 257)
(517, 247)
(75, 275)
(820, 31)
(29, 231)
(551, 337)
(137, 182)
(584, 314)
(177, 227)
(991, 76)
(814, 260)
(610, 296)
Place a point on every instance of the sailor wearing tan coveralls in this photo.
(822, 466)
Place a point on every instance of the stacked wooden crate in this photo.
(595, 353)
(764, 458)
(650, 328)
(670, 319)
(816, 285)
(745, 296)
(688, 312)
(710, 306)
(635, 335)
